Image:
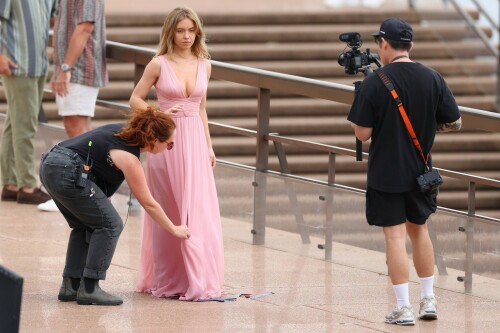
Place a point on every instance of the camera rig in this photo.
(354, 60)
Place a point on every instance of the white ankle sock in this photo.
(427, 287)
(402, 295)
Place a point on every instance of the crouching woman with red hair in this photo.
(81, 173)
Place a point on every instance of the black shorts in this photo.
(388, 209)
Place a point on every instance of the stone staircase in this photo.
(307, 45)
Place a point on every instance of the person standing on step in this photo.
(393, 198)
(182, 179)
(24, 31)
(79, 65)
(81, 174)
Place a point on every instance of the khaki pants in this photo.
(17, 156)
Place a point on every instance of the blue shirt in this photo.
(24, 33)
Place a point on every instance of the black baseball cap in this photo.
(395, 29)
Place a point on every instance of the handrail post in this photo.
(261, 165)
(329, 207)
(469, 238)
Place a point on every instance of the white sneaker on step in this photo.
(48, 206)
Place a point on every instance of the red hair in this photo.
(145, 126)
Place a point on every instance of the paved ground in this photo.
(350, 293)
(310, 294)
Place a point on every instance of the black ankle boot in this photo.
(93, 294)
(68, 290)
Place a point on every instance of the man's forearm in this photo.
(78, 42)
(449, 127)
(362, 133)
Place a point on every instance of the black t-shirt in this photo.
(107, 176)
(394, 163)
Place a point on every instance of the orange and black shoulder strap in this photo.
(388, 84)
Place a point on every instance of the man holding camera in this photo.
(394, 200)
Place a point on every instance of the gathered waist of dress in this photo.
(181, 114)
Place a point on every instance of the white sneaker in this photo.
(428, 309)
(48, 206)
(402, 316)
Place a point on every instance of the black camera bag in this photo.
(429, 182)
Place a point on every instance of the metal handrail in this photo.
(484, 12)
(268, 80)
(264, 79)
(492, 48)
(472, 24)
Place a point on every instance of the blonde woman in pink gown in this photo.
(182, 179)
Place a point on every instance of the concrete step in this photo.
(219, 109)
(330, 68)
(460, 85)
(320, 51)
(239, 188)
(302, 164)
(459, 200)
(291, 33)
(280, 107)
(121, 90)
(485, 102)
(356, 16)
(311, 205)
(358, 180)
(477, 85)
(296, 51)
(116, 90)
(293, 125)
(229, 145)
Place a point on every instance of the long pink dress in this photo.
(182, 181)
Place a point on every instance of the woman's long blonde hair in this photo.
(166, 46)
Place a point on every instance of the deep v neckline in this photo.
(184, 93)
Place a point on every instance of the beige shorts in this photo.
(80, 101)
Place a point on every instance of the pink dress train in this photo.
(182, 181)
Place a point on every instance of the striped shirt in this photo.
(90, 68)
(24, 34)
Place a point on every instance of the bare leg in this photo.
(423, 251)
(397, 258)
(76, 125)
